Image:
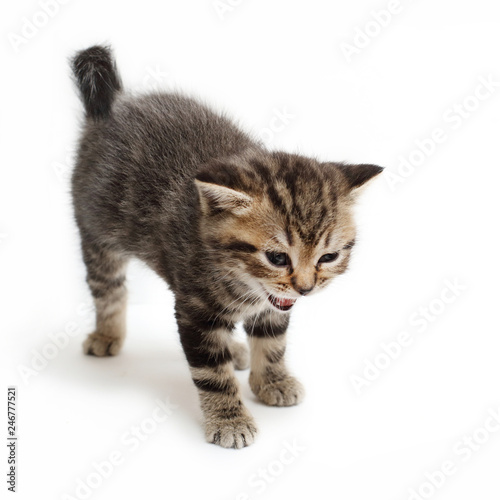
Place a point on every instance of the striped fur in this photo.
(163, 178)
(269, 377)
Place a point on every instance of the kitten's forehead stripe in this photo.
(269, 182)
(300, 191)
(327, 239)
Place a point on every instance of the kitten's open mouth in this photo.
(281, 304)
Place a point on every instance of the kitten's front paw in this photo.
(97, 344)
(241, 355)
(285, 392)
(236, 432)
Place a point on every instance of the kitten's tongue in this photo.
(285, 302)
(280, 303)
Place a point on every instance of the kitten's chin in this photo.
(280, 303)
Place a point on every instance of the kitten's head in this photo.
(281, 223)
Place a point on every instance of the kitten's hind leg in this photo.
(106, 279)
(240, 354)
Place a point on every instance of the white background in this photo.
(439, 223)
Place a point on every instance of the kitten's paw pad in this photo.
(241, 355)
(286, 392)
(236, 432)
(100, 345)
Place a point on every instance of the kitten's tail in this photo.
(97, 79)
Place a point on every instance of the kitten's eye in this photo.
(277, 258)
(328, 257)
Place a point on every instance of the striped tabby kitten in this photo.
(239, 233)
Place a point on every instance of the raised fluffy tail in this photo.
(97, 79)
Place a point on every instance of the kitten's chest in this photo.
(249, 306)
(236, 301)
(249, 310)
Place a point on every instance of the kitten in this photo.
(238, 232)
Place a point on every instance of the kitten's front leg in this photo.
(269, 377)
(207, 345)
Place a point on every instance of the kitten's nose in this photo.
(304, 291)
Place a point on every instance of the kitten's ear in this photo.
(357, 176)
(215, 198)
